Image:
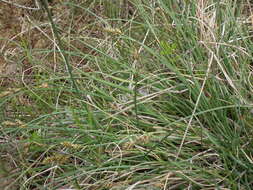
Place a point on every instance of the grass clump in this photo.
(131, 95)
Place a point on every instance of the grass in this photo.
(132, 95)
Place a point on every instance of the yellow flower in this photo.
(71, 145)
(56, 158)
(115, 31)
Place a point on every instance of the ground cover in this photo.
(126, 94)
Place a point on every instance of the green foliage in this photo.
(159, 98)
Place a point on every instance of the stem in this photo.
(67, 64)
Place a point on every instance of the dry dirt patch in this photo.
(18, 32)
